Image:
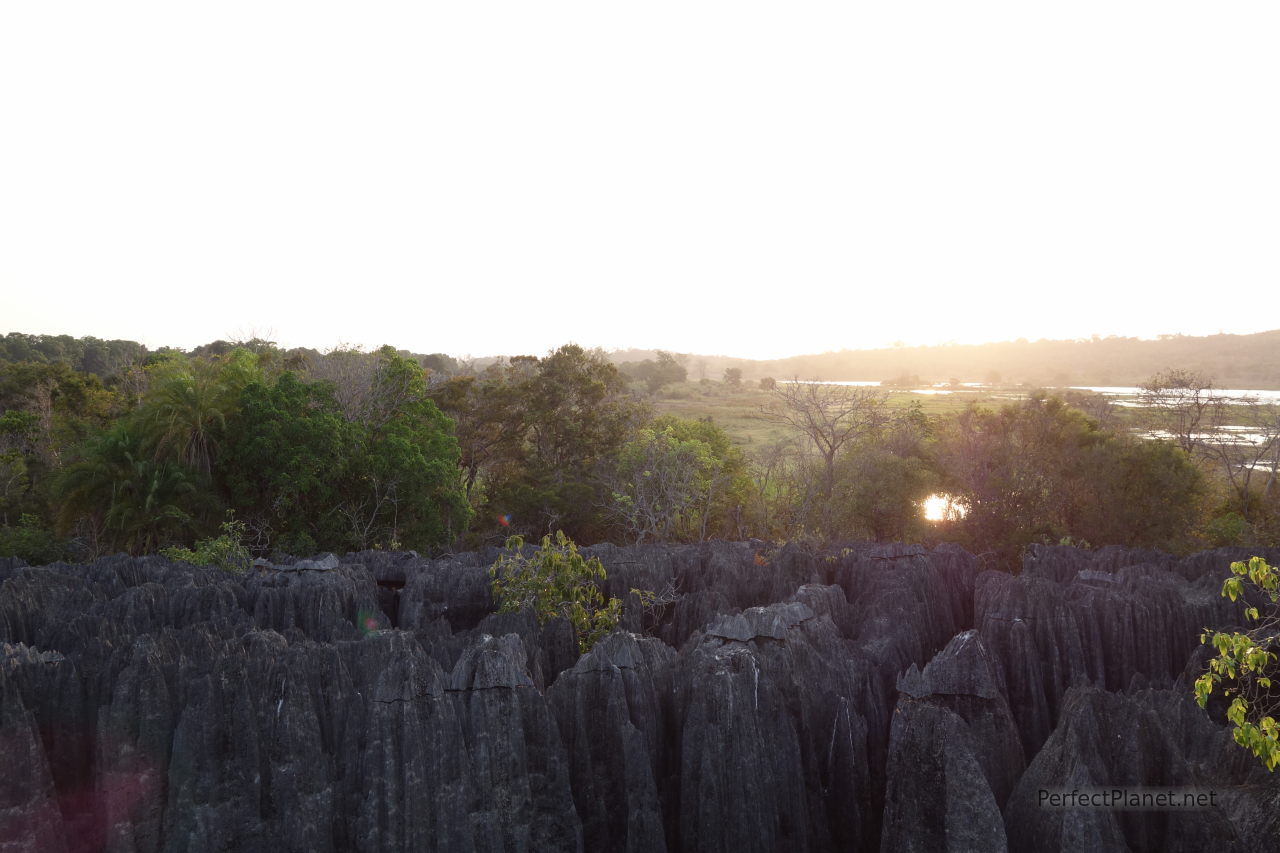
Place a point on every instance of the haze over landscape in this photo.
(711, 178)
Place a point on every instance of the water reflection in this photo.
(1135, 394)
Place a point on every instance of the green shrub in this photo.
(32, 541)
(556, 581)
(1230, 528)
(227, 552)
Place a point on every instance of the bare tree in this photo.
(1240, 435)
(352, 372)
(1183, 402)
(784, 495)
(1249, 445)
(830, 416)
(363, 512)
(365, 384)
(1100, 407)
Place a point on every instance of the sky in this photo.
(741, 178)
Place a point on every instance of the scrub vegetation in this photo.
(106, 446)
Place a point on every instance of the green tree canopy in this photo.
(303, 473)
(657, 373)
(129, 499)
(883, 477)
(1040, 470)
(404, 486)
(540, 433)
(184, 412)
(679, 479)
(556, 581)
(283, 460)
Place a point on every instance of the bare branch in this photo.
(830, 416)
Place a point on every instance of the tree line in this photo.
(348, 450)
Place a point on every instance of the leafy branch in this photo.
(1245, 663)
(556, 581)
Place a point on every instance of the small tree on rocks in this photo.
(556, 581)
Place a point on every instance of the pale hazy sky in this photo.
(747, 178)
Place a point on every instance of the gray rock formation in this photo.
(954, 754)
(965, 679)
(938, 797)
(772, 748)
(1094, 627)
(30, 819)
(1153, 740)
(612, 708)
(778, 699)
(455, 589)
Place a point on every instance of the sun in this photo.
(942, 508)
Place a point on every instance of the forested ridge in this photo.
(106, 446)
(1235, 361)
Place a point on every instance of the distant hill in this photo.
(1232, 361)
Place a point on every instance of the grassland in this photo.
(737, 410)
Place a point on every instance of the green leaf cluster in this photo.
(147, 480)
(30, 540)
(46, 409)
(226, 551)
(556, 582)
(1245, 664)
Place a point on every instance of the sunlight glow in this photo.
(942, 507)
(550, 151)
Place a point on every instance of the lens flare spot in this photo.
(367, 622)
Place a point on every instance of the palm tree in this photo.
(185, 412)
(155, 505)
(131, 500)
